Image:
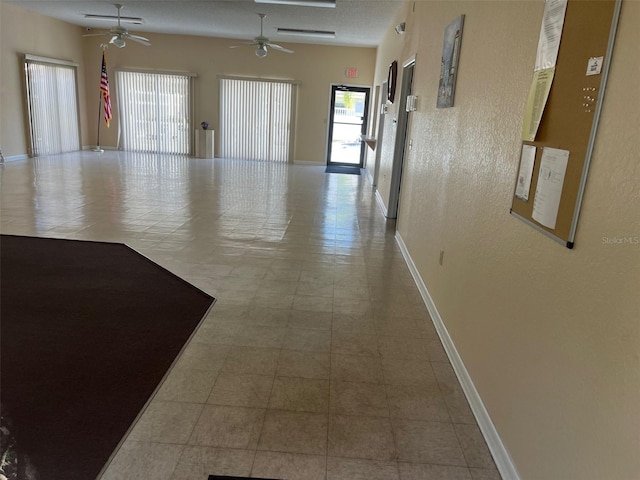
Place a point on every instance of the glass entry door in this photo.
(348, 121)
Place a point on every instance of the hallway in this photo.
(318, 360)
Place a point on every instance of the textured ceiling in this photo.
(356, 22)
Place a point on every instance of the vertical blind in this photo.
(53, 107)
(255, 119)
(155, 112)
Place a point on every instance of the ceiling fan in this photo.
(262, 42)
(119, 34)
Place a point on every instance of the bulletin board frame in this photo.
(572, 112)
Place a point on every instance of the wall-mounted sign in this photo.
(351, 72)
(449, 64)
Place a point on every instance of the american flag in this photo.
(104, 88)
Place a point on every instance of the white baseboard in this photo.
(369, 177)
(14, 158)
(501, 456)
(91, 147)
(306, 162)
(383, 207)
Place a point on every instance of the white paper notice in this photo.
(527, 159)
(550, 33)
(553, 166)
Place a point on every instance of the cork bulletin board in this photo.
(570, 116)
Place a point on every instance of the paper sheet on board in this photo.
(553, 166)
(527, 159)
(537, 100)
(550, 33)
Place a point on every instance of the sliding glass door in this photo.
(255, 119)
(53, 106)
(155, 112)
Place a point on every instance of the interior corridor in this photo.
(318, 360)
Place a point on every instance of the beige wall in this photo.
(23, 32)
(315, 67)
(550, 336)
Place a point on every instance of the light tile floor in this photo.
(319, 359)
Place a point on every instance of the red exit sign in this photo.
(351, 72)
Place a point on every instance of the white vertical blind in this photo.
(255, 119)
(155, 112)
(53, 107)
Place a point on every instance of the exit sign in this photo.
(351, 72)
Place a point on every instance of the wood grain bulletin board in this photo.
(570, 117)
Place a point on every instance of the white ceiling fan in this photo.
(119, 34)
(262, 42)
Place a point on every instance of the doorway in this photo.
(347, 124)
(401, 139)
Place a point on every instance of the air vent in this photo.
(133, 20)
(306, 33)
(303, 3)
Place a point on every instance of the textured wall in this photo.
(24, 32)
(550, 336)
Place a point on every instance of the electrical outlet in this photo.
(441, 261)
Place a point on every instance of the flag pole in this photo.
(98, 149)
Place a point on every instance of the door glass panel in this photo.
(348, 122)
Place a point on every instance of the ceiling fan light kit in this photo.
(261, 51)
(302, 3)
(118, 42)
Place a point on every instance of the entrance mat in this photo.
(341, 169)
(89, 329)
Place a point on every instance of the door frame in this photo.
(365, 118)
(408, 68)
(382, 111)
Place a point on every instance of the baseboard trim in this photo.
(92, 147)
(383, 207)
(14, 158)
(369, 176)
(501, 456)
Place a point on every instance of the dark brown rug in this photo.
(217, 477)
(88, 330)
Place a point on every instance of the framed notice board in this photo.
(566, 130)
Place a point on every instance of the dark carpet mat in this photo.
(341, 169)
(88, 331)
(216, 477)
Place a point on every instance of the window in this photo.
(53, 106)
(155, 112)
(255, 119)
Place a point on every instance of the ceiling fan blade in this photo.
(139, 39)
(279, 48)
(96, 34)
(244, 44)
